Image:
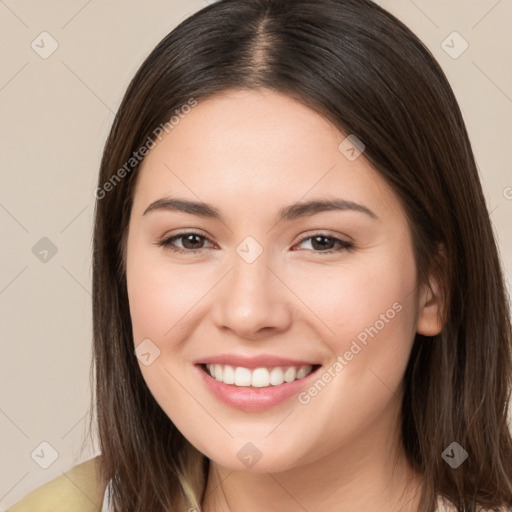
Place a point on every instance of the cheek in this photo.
(366, 313)
(160, 300)
(153, 303)
(370, 312)
(161, 307)
(349, 299)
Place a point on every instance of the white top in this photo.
(104, 506)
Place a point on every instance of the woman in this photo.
(298, 303)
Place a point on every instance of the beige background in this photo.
(55, 115)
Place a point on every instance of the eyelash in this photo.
(167, 243)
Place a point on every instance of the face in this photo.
(304, 315)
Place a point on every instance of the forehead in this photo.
(242, 148)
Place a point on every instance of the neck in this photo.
(369, 473)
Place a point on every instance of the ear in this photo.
(431, 303)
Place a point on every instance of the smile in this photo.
(257, 377)
(255, 384)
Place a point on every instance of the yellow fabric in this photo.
(76, 490)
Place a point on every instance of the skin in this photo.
(250, 153)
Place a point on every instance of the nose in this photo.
(251, 301)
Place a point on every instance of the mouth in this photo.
(255, 383)
(262, 377)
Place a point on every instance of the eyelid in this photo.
(327, 233)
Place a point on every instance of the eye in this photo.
(323, 243)
(191, 242)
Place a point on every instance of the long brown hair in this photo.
(361, 68)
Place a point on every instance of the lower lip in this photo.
(253, 399)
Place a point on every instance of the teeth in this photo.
(276, 376)
(228, 375)
(289, 374)
(259, 377)
(302, 372)
(242, 375)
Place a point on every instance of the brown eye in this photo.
(322, 243)
(326, 244)
(190, 242)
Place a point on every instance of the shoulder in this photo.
(78, 489)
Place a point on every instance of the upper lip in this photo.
(260, 361)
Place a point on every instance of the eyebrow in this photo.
(286, 214)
